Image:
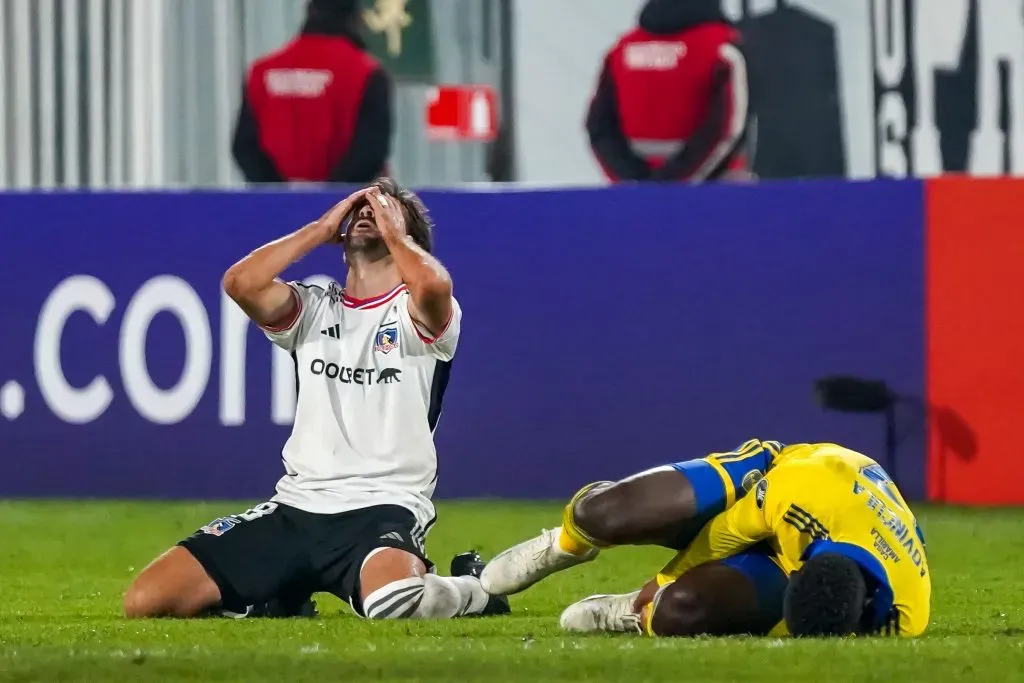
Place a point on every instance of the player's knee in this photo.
(600, 514)
(403, 599)
(679, 611)
(173, 585)
(142, 601)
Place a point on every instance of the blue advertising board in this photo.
(604, 331)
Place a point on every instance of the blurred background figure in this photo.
(500, 159)
(320, 108)
(672, 100)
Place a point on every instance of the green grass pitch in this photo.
(64, 566)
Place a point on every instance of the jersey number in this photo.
(261, 510)
(880, 478)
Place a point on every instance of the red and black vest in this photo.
(306, 99)
(664, 86)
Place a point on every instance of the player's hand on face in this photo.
(388, 215)
(331, 221)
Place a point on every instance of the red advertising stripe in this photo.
(975, 339)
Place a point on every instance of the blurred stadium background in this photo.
(881, 241)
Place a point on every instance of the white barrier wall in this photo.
(145, 93)
(907, 87)
(558, 47)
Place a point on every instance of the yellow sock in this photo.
(571, 538)
(647, 613)
(646, 617)
(570, 545)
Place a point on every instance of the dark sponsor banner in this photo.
(604, 332)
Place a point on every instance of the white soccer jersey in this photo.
(370, 385)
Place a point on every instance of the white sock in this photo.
(427, 597)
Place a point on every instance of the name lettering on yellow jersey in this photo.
(885, 551)
(908, 539)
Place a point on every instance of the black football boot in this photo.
(471, 564)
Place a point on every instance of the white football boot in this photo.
(525, 564)
(602, 614)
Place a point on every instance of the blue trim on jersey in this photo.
(738, 469)
(708, 487)
(770, 582)
(883, 598)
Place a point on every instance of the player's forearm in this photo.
(429, 283)
(258, 270)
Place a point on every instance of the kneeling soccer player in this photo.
(353, 508)
(825, 545)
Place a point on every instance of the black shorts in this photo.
(275, 551)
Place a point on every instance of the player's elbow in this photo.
(237, 284)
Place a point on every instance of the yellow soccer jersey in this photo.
(823, 497)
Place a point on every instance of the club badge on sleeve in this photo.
(387, 340)
(219, 527)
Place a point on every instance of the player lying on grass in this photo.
(825, 545)
(353, 509)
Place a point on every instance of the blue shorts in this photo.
(717, 485)
(769, 580)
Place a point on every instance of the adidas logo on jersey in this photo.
(392, 536)
(334, 331)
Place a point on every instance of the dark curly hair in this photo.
(826, 597)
